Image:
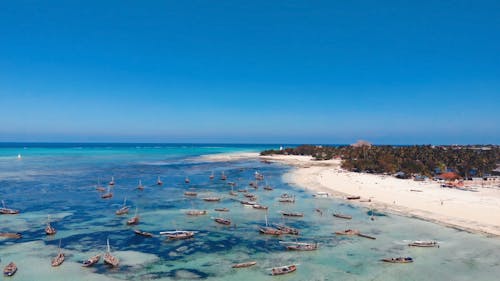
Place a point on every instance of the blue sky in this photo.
(398, 72)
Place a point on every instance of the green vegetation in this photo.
(425, 160)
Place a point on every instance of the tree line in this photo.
(426, 160)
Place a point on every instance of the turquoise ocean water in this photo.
(59, 180)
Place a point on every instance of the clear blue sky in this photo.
(250, 71)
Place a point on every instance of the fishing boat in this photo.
(186, 180)
(143, 233)
(321, 194)
(287, 199)
(212, 199)
(342, 216)
(260, 207)
(91, 261)
(223, 177)
(140, 186)
(424, 244)
(134, 220)
(254, 184)
(49, 230)
(354, 197)
(10, 269)
(268, 187)
(292, 214)
(158, 181)
(178, 234)
(109, 259)
(348, 232)
(222, 221)
(248, 203)
(6, 211)
(14, 235)
(285, 229)
(250, 195)
(112, 182)
(59, 259)
(244, 190)
(244, 264)
(258, 176)
(280, 270)
(196, 212)
(232, 193)
(212, 176)
(190, 193)
(300, 246)
(221, 209)
(124, 209)
(107, 195)
(99, 187)
(269, 230)
(398, 260)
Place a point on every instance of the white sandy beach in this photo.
(472, 211)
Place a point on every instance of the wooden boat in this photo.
(232, 193)
(287, 229)
(178, 234)
(286, 195)
(398, 260)
(300, 246)
(248, 203)
(223, 177)
(212, 176)
(354, 197)
(280, 270)
(7, 211)
(221, 209)
(112, 182)
(211, 199)
(124, 209)
(143, 233)
(49, 230)
(10, 269)
(107, 195)
(243, 190)
(134, 220)
(287, 200)
(249, 195)
(424, 244)
(244, 264)
(109, 259)
(158, 181)
(222, 221)
(260, 207)
(59, 259)
(190, 193)
(292, 214)
(269, 230)
(268, 187)
(91, 261)
(348, 232)
(140, 186)
(98, 187)
(196, 212)
(186, 180)
(258, 176)
(342, 216)
(13, 235)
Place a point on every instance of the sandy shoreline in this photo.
(477, 212)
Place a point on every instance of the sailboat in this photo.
(99, 187)
(158, 181)
(91, 261)
(212, 176)
(124, 209)
(300, 246)
(269, 230)
(7, 211)
(107, 195)
(109, 259)
(49, 230)
(134, 220)
(280, 270)
(59, 259)
(140, 186)
(112, 182)
(178, 234)
(223, 177)
(186, 180)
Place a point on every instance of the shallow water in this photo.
(60, 181)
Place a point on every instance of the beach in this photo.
(477, 212)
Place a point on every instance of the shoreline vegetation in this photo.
(473, 206)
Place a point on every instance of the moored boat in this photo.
(178, 234)
(244, 264)
(248, 203)
(6, 211)
(222, 221)
(190, 193)
(143, 233)
(196, 212)
(91, 261)
(424, 244)
(107, 195)
(49, 230)
(342, 216)
(140, 186)
(285, 229)
(398, 260)
(354, 197)
(260, 207)
(348, 232)
(211, 199)
(280, 270)
(134, 220)
(112, 182)
(158, 181)
(300, 246)
(109, 259)
(212, 176)
(221, 209)
(10, 269)
(59, 259)
(124, 209)
(292, 214)
(223, 177)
